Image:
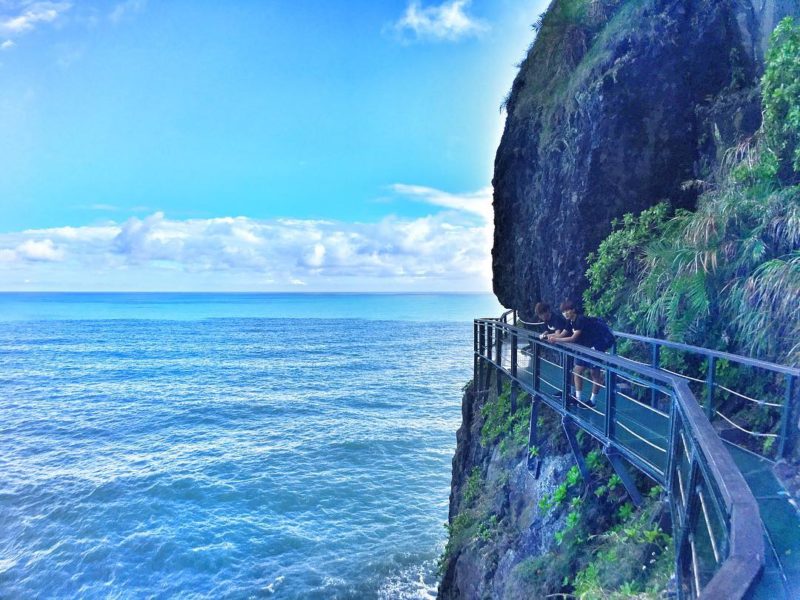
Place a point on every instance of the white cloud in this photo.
(479, 203)
(25, 16)
(7, 45)
(125, 8)
(447, 250)
(38, 250)
(447, 21)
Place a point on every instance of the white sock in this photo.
(593, 398)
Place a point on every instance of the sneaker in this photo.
(591, 403)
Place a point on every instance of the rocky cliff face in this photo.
(517, 533)
(620, 104)
(497, 499)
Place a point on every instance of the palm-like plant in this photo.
(728, 274)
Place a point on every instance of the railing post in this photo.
(499, 354)
(489, 341)
(534, 461)
(488, 352)
(672, 451)
(475, 358)
(710, 375)
(481, 347)
(786, 415)
(566, 360)
(655, 361)
(611, 404)
(514, 384)
(537, 364)
(691, 515)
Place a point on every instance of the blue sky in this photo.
(252, 145)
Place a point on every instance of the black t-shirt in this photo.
(557, 322)
(588, 328)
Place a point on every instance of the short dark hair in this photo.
(569, 305)
(541, 308)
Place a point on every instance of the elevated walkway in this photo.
(736, 531)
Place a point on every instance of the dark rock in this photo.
(613, 111)
(483, 568)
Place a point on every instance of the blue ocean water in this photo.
(228, 445)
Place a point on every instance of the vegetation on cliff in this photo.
(512, 535)
(726, 275)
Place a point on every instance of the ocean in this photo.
(228, 445)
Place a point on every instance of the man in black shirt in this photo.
(586, 332)
(557, 325)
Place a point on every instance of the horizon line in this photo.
(287, 292)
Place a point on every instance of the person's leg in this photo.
(597, 381)
(577, 375)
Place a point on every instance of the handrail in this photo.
(791, 376)
(746, 556)
(699, 472)
(742, 360)
(504, 316)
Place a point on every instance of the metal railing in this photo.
(712, 389)
(774, 441)
(652, 419)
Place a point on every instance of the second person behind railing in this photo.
(590, 332)
(557, 325)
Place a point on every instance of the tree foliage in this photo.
(614, 269)
(781, 99)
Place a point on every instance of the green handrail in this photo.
(719, 544)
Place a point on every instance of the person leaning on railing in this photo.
(590, 332)
(557, 325)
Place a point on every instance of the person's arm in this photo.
(576, 333)
(562, 329)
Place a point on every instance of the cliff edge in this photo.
(619, 105)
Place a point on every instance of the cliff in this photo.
(494, 520)
(520, 533)
(619, 104)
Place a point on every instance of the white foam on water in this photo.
(417, 582)
(270, 588)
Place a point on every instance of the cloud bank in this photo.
(448, 21)
(449, 250)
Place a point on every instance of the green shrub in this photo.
(500, 423)
(458, 531)
(472, 488)
(487, 529)
(781, 99)
(615, 268)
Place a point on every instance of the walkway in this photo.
(781, 575)
(656, 424)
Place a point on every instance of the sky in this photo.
(252, 145)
